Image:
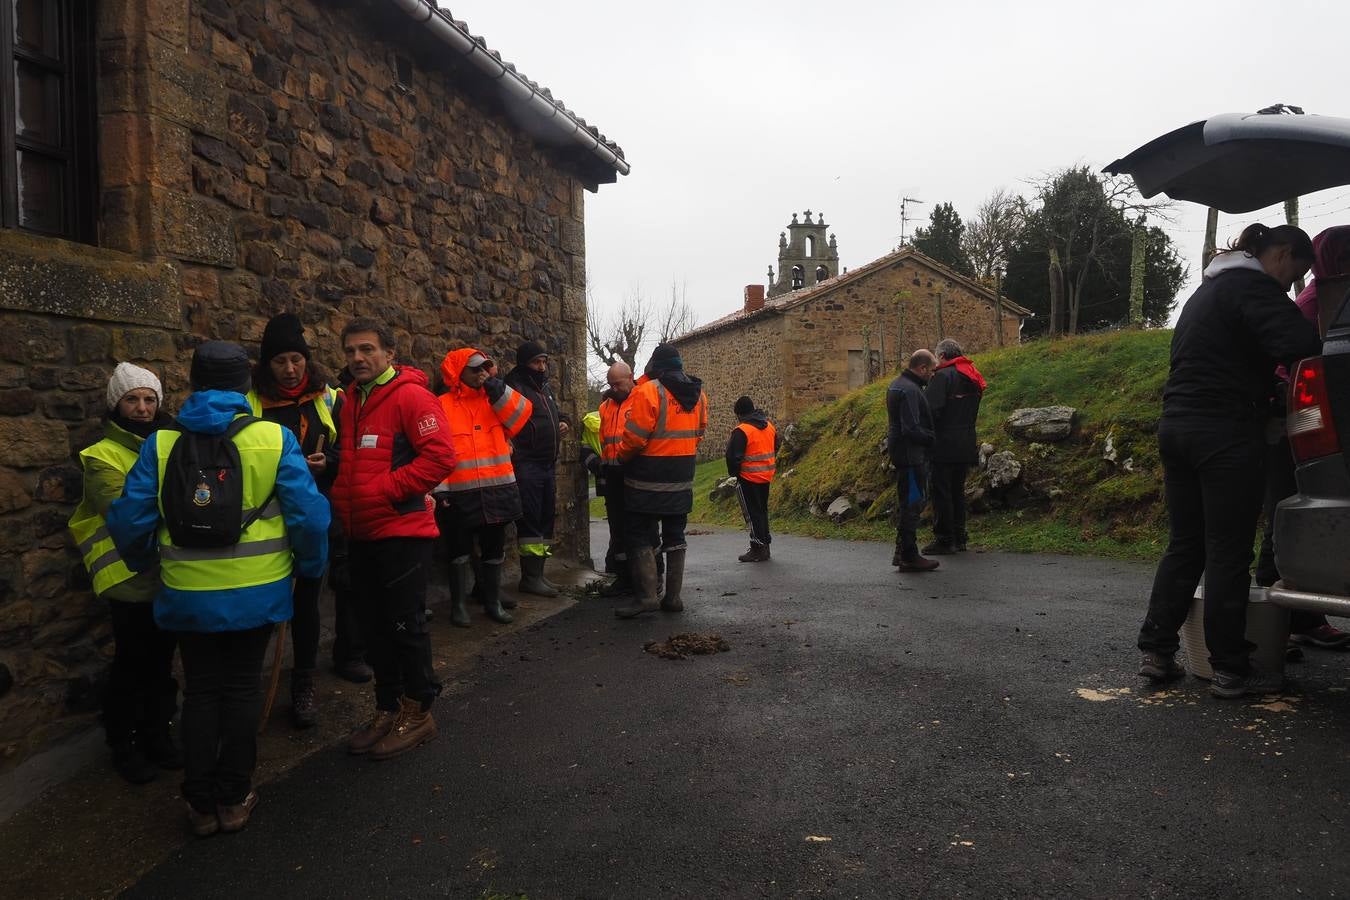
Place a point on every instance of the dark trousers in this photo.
(348, 644)
(221, 704)
(141, 693)
(538, 497)
(459, 540)
(1280, 483)
(305, 622)
(909, 479)
(947, 482)
(614, 517)
(1214, 478)
(657, 531)
(389, 579)
(754, 497)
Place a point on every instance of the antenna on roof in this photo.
(904, 218)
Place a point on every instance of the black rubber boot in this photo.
(671, 601)
(643, 566)
(459, 586)
(532, 577)
(622, 585)
(490, 580)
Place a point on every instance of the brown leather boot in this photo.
(368, 737)
(917, 564)
(235, 816)
(414, 727)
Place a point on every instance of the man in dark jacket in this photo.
(534, 455)
(752, 458)
(953, 396)
(910, 437)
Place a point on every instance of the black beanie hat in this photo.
(220, 366)
(666, 358)
(284, 334)
(528, 351)
(744, 406)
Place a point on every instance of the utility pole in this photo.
(904, 217)
(1211, 239)
(998, 305)
(1291, 216)
(1138, 249)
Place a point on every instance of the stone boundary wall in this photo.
(260, 156)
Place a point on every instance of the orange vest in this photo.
(480, 431)
(658, 426)
(759, 461)
(613, 417)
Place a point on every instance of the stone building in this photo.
(816, 343)
(179, 170)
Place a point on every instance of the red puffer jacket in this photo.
(393, 448)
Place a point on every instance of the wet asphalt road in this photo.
(975, 732)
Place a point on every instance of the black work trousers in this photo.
(660, 532)
(1214, 478)
(142, 695)
(389, 578)
(754, 497)
(305, 622)
(221, 704)
(538, 485)
(911, 492)
(348, 644)
(947, 482)
(1280, 483)
(614, 517)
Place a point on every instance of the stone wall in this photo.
(735, 361)
(259, 156)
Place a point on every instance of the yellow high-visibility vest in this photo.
(323, 405)
(90, 530)
(263, 554)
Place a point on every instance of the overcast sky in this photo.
(735, 114)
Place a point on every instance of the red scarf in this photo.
(966, 368)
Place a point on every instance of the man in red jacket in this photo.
(393, 448)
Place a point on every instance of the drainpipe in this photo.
(513, 85)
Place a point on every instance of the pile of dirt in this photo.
(682, 646)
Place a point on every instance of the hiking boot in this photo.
(202, 824)
(156, 744)
(413, 727)
(1231, 685)
(671, 601)
(756, 553)
(1160, 668)
(939, 548)
(459, 585)
(304, 708)
(1326, 635)
(897, 557)
(354, 670)
(361, 741)
(532, 578)
(235, 816)
(621, 586)
(643, 566)
(131, 763)
(490, 580)
(917, 564)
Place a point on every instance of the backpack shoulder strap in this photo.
(239, 425)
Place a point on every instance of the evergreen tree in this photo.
(942, 239)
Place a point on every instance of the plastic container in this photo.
(1267, 628)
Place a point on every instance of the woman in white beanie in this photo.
(141, 696)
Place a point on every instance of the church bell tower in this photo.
(805, 256)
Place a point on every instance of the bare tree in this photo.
(987, 236)
(617, 338)
(677, 318)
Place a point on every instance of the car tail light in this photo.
(1312, 432)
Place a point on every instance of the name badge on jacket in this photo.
(369, 441)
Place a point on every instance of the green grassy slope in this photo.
(1081, 503)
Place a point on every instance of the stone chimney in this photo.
(754, 297)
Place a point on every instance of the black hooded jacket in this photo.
(538, 441)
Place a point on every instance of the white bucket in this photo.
(1267, 628)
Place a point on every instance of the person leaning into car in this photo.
(1233, 330)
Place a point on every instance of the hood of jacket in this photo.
(1234, 259)
(453, 365)
(538, 379)
(758, 418)
(685, 388)
(211, 412)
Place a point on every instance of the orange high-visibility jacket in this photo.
(613, 418)
(481, 428)
(759, 462)
(660, 442)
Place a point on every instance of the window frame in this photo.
(72, 24)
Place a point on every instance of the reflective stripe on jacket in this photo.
(759, 462)
(323, 407)
(613, 417)
(89, 529)
(263, 554)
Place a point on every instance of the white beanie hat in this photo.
(127, 378)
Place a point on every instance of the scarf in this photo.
(966, 368)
